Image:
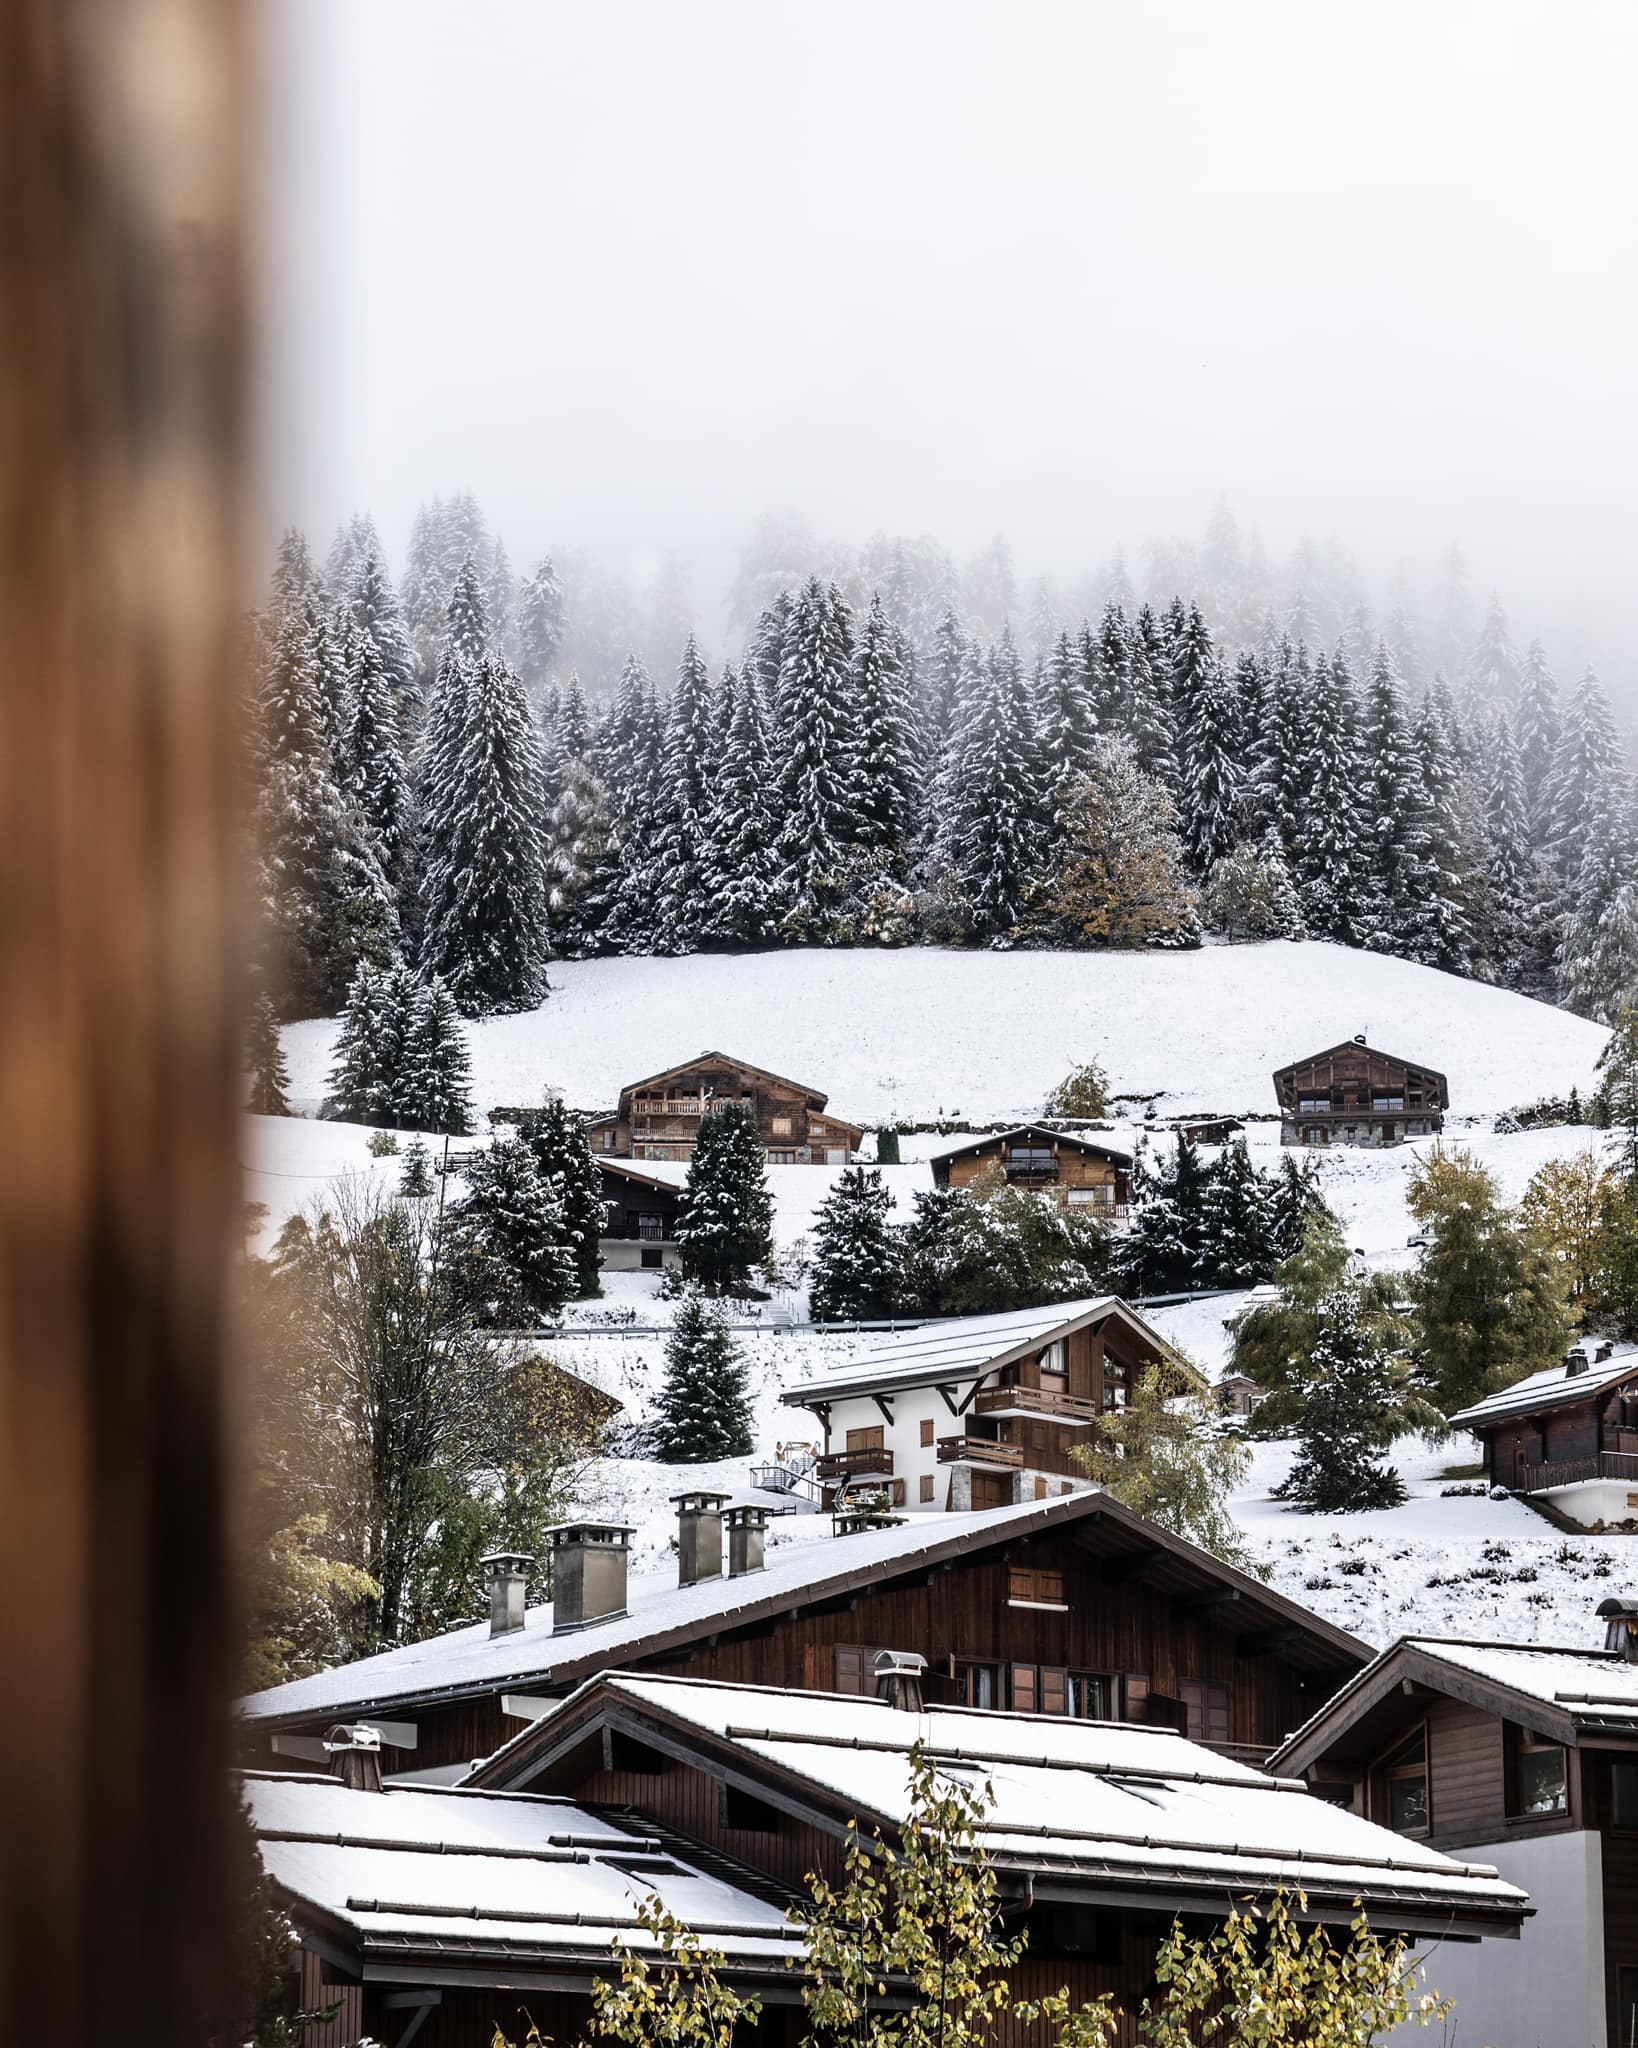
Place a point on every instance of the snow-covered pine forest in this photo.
(475, 773)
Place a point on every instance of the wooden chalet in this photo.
(660, 1117)
(978, 1411)
(1524, 1756)
(1350, 1094)
(1086, 1174)
(465, 1906)
(1072, 1606)
(1569, 1434)
(639, 1231)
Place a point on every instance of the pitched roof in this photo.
(1111, 1811)
(728, 1060)
(1353, 1045)
(645, 1176)
(1554, 1387)
(664, 1616)
(484, 1882)
(1044, 1131)
(962, 1346)
(1561, 1690)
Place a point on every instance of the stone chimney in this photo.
(898, 1678)
(699, 1536)
(747, 1533)
(1620, 1619)
(355, 1755)
(506, 1578)
(588, 1573)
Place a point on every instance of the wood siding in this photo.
(661, 1119)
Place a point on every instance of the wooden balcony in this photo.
(1039, 1403)
(978, 1450)
(1618, 1465)
(831, 1467)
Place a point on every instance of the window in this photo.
(926, 1432)
(781, 1158)
(780, 1126)
(608, 1140)
(976, 1685)
(1028, 1587)
(651, 1228)
(1624, 1795)
(1054, 1359)
(1407, 1781)
(1380, 1102)
(1031, 1159)
(741, 1809)
(927, 1486)
(652, 1258)
(1540, 1780)
(1090, 1697)
(613, 1217)
(1209, 1709)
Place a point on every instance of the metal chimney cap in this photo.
(507, 1560)
(353, 1735)
(887, 1662)
(603, 1532)
(699, 1500)
(751, 1515)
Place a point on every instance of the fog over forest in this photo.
(1077, 276)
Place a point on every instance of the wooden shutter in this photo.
(926, 1432)
(1053, 1691)
(1023, 1688)
(1134, 1695)
(866, 1439)
(853, 1672)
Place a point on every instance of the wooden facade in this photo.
(639, 1231)
(1095, 1610)
(1351, 1094)
(660, 1117)
(1565, 1440)
(1035, 1157)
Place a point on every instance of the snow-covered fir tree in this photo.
(1277, 743)
(1346, 1415)
(677, 833)
(1209, 744)
(885, 741)
(264, 1062)
(1238, 1228)
(483, 890)
(1120, 879)
(1494, 672)
(988, 832)
(725, 1215)
(703, 1412)
(740, 901)
(629, 762)
(541, 620)
(1151, 723)
(1334, 847)
(1511, 862)
(858, 1263)
(1597, 966)
(1585, 760)
(438, 1069)
(372, 753)
(466, 620)
(1395, 816)
(374, 609)
(510, 1231)
(415, 1183)
(1067, 719)
(818, 768)
(1251, 893)
(563, 1156)
(1537, 725)
(1107, 659)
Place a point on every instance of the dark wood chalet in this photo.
(1524, 1756)
(978, 1411)
(639, 1219)
(1351, 1094)
(1086, 1174)
(1569, 1434)
(462, 1907)
(1072, 1606)
(660, 1117)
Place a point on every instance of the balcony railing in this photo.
(832, 1466)
(1040, 1401)
(1535, 1478)
(978, 1450)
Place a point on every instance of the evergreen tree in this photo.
(510, 1229)
(1120, 880)
(1209, 766)
(1165, 1251)
(1486, 1292)
(1335, 846)
(1068, 723)
(1252, 895)
(988, 829)
(1395, 816)
(563, 1156)
(295, 575)
(264, 1057)
(1443, 932)
(1294, 1202)
(376, 612)
(1494, 671)
(540, 624)
(1338, 1468)
(818, 785)
(1152, 723)
(740, 888)
(577, 833)
(628, 761)
(483, 891)
(1276, 792)
(703, 1413)
(725, 1217)
(359, 1085)
(857, 1266)
(690, 746)
(1237, 1248)
(1585, 761)
(436, 1094)
(1618, 1064)
(1537, 725)
(1511, 867)
(1108, 665)
(885, 742)
(941, 681)
(415, 1182)
(372, 755)
(466, 619)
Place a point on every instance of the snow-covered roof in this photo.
(661, 1614)
(1560, 1689)
(1556, 1387)
(964, 1346)
(1106, 1807)
(478, 1876)
(1075, 1143)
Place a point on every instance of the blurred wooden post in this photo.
(125, 139)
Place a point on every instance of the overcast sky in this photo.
(633, 272)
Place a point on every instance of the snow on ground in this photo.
(917, 1034)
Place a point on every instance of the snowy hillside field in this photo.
(912, 1035)
(981, 1037)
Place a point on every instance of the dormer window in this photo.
(1055, 1358)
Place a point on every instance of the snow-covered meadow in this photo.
(919, 1035)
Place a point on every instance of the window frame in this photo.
(1397, 1768)
(1525, 1742)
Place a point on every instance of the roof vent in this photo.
(699, 1536)
(355, 1755)
(589, 1562)
(898, 1678)
(1359, 1038)
(506, 1579)
(1620, 1619)
(1603, 1352)
(1575, 1364)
